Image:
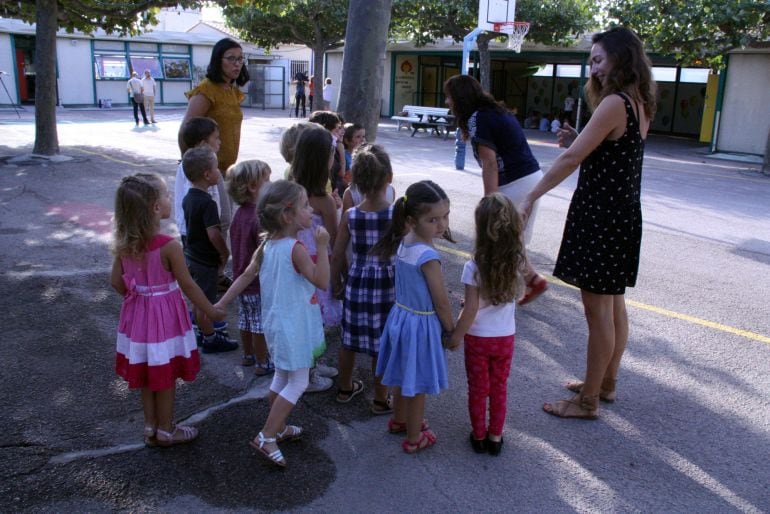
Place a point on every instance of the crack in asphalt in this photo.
(256, 391)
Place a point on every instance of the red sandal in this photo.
(535, 287)
(399, 427)
(427, 439)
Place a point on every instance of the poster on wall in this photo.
(405, 83)
(176, 68)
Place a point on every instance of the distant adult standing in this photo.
(310, 93)
(599, 251)
(149, 90)
(218, 97)
(134, 88)
(501, 149)
(328, 94)
(299, 94)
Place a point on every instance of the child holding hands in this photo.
(411, 357)
(244, 182)
(156, 343)
(205, 250)
(493, 280)
(369, 283)
(290, 313)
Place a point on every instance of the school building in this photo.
(720, 109)
(93, 69)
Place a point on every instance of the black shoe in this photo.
(219, 345)
(494, 447)
(224, 334)
(478, 445)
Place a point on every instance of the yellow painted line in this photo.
(639, 305)
(111, 158)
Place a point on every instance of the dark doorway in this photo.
(25, 68)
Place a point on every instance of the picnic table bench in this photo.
(416, 117)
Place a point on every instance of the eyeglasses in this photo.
(234, 60)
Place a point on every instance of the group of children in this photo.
(299, 267)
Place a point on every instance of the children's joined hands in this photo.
(450, 341)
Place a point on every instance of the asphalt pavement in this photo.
(690, 431)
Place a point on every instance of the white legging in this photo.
(290, 384)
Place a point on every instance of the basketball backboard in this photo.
(495, 11)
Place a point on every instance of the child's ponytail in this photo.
(387, 246)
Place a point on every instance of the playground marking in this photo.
(651, 308)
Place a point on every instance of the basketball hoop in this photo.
(516, 31)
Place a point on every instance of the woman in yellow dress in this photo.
(218, 97)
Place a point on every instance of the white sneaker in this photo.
(326, 371)
(319, 383)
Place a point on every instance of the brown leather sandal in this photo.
(579, 407)
(606, 393)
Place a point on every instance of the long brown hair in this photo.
(499, 250)
(135, 223)
(310, 167)
(631, 70)
(467, 97)
(417, 200)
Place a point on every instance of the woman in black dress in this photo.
(599, 251)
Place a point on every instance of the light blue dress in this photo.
(411, 355)
(291, 316)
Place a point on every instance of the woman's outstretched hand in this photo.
(525, 209)
(566, 135)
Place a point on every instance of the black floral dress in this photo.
(599, 251)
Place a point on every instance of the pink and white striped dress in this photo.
(156, 344)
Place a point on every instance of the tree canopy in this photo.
(305, 22)
(695, 32)
(551, 21)
(118, 16)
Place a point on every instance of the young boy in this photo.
(205, 250)
(199, 131)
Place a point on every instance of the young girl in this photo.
(291, 316)
(313, 159)
(493, 280)
(370, 285)
(353, 136)
(411, 357)
(334, 123)
(156, 343)
(244, 181)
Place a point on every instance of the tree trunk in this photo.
(485, 62)
(46, 138)
(319, 50)
(363, 63)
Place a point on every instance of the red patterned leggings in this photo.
(487, 364)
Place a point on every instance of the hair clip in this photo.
(404, 198)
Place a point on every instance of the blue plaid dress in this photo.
(370, 287)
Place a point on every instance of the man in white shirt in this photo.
(134, 88)
(148, 89)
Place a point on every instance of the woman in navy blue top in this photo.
(502, 151)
